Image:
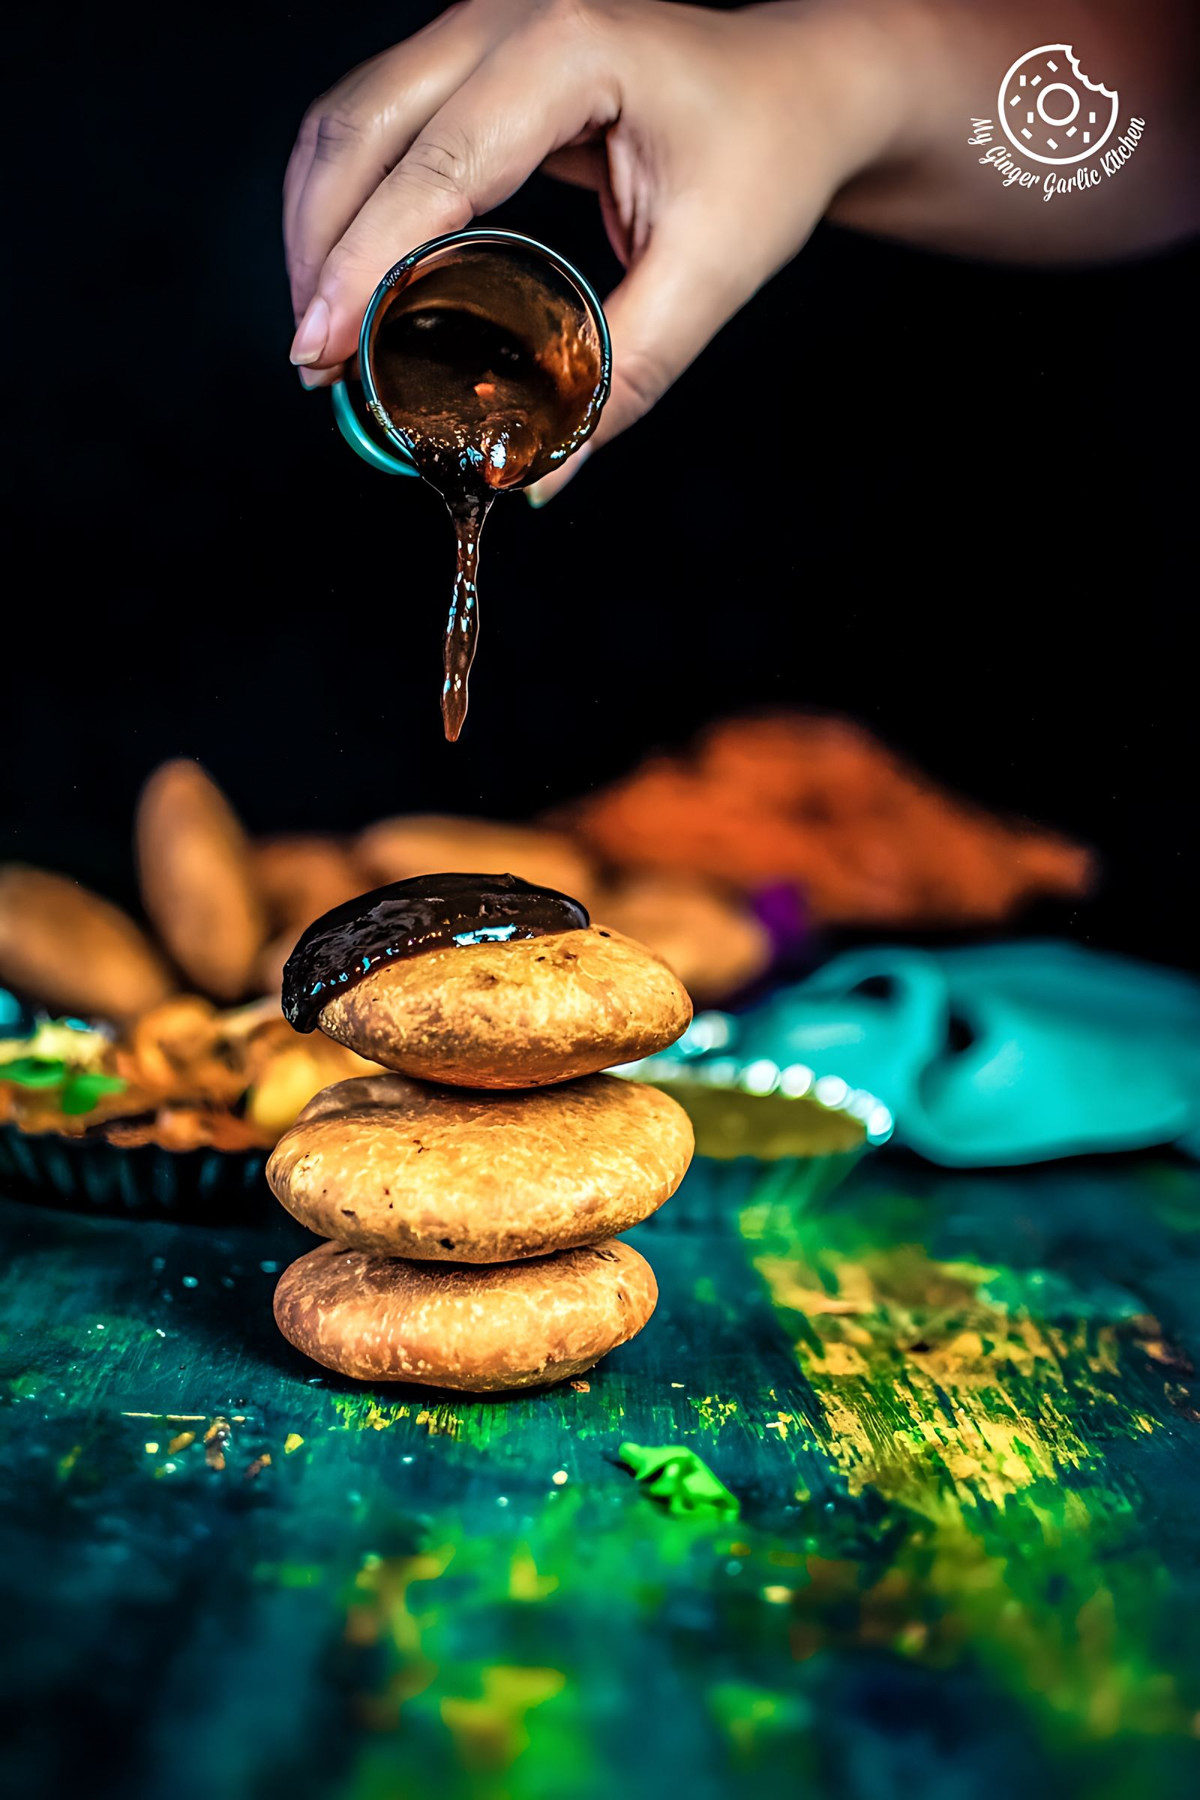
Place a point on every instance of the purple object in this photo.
(782, 910)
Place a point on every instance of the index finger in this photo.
(525, 100)
(352, 136)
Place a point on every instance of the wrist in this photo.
(860, 68)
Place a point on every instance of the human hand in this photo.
(715, 141)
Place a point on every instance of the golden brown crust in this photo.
(514, 1015)
(516, 1325)
(450, 1175)
(74, 952)
(427, 843)
(197, 878)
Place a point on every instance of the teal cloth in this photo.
(1010, 1053)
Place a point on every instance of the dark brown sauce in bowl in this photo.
(488, 361)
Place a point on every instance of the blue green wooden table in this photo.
(960, 1414)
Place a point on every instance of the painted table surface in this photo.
(960, 1413)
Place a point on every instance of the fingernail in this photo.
(309, 341)
(312, 379)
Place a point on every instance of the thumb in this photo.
(675, 298)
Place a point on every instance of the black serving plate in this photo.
(90, 1175)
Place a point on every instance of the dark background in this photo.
(949, 499)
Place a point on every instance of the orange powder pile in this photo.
(818, 802)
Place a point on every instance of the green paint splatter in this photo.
(965, 1561)
(980, 1403)
(752, 1716)
(675, 1475)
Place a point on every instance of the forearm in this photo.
(716, 140)
(929, 185)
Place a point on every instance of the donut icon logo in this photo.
(1049, 109)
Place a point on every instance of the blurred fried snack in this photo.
(190, 1060)
(706, 934)
(819, 803)
(424, 843)
(293, 1073)
(197, 878)
(301, 877)
(35, 1110)
(72, 951)
(185, 1049)
(181, 1128)
(268, 967)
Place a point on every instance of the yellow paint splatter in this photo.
(440, 1421)
(381, 1611)
(491, 1731)
(292, 1442)
(918, 1375)
(524, 1582)
(945, 1402)
(714, 1411)
(362, 1412)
